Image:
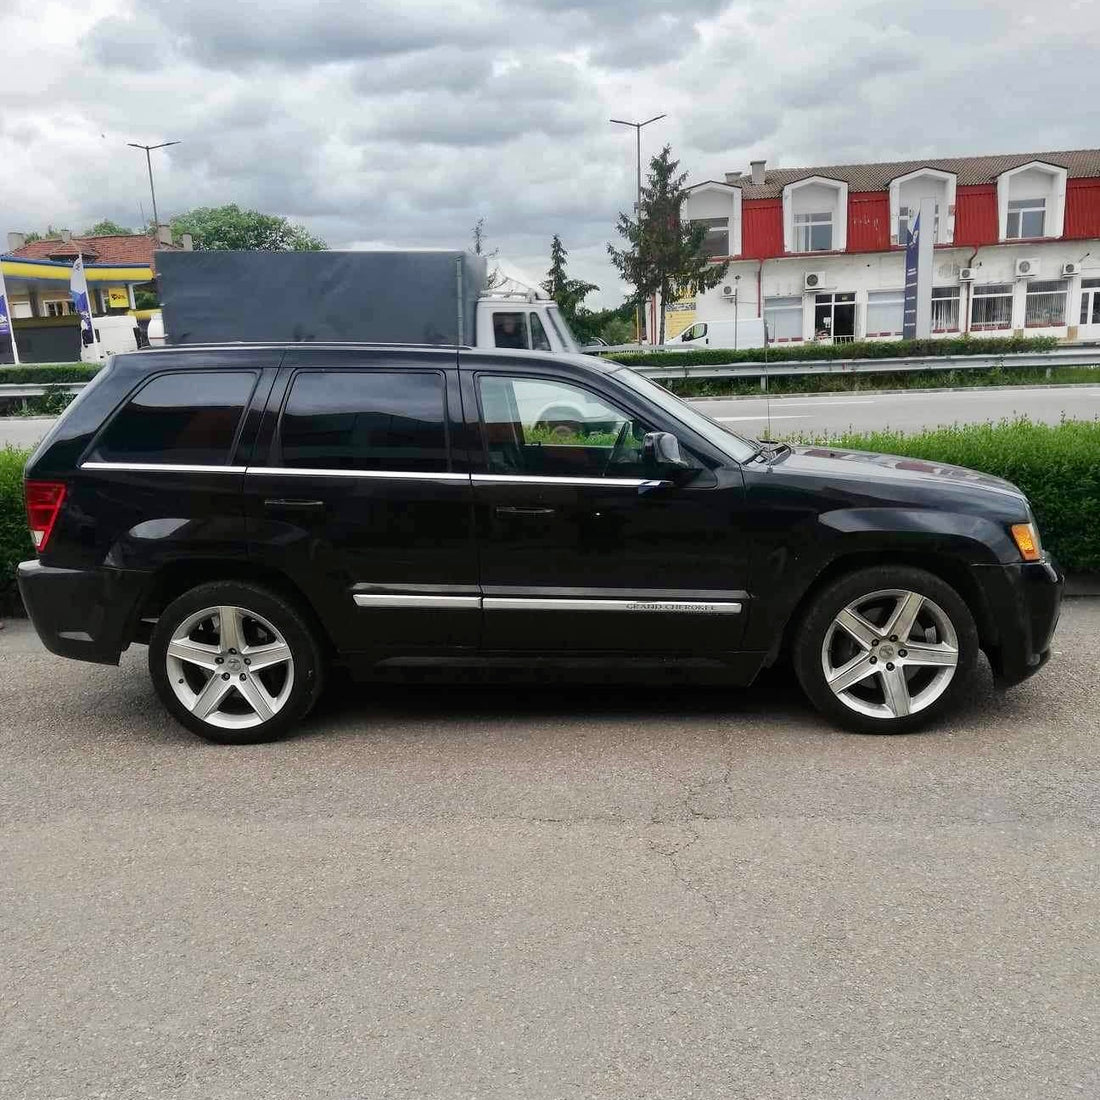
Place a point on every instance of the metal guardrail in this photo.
(1060, 357)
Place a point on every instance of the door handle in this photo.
(509, 510)
(281, 502)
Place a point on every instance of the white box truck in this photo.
(404, 297)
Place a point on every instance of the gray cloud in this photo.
(377, 123)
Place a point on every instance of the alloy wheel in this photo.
(890, 654)
(230, 667)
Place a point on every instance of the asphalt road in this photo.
(792, 416)
(909, 412)
(531, 892)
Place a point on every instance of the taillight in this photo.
(44, 500)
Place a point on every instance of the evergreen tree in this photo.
(568, 293)
(664, 255)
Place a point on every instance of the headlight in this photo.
(1026, 537)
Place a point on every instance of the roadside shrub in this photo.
(1058, 467)
(15, 540)
(35, 374)
(864, 349)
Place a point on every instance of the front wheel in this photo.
(235, 663)
(886, 650)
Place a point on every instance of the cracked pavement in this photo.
(531, 891)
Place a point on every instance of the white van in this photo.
(745, 332)
(115, 333)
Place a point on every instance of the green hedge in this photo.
(34, 374)
(864, 349)
(15, 541)
(1058, 467)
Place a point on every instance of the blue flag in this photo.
(6, 327)
(78, 288)
(912, 273)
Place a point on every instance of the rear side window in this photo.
(365, 420)
(188, 418)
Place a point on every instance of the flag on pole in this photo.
(78, 287)
(6, 327)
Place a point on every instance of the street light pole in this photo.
(149, 164)
(638, 135)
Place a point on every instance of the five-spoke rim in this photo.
(890, 654)
(230, 667)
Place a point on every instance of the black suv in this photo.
(256, 513)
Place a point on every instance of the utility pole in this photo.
(149, 164)
(638, 134)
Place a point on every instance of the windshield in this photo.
(737, 447)
(561, 327)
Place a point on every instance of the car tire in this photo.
(863, 665)
(235, 663)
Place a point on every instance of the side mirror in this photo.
(661, 453)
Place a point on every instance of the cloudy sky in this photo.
(403, 122)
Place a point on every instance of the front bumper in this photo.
(85, 614)
(1023, 601)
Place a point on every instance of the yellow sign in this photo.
(118, 297)
(679, 315)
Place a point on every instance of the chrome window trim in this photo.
(377, 475)
(379, 599)
(163, 467)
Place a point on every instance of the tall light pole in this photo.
(149, 164)
(638, 134)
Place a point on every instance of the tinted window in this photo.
(187, 418)
(539, 340)
(362, 420)
(553, 429)
(509, 330)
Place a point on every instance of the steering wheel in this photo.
(615, 458)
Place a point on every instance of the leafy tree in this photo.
(108, 228)
(664, 255)
(230, 227)
(568, 293)
(47, 234)
(494, 278)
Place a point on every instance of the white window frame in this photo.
(792, 304)
(733, 194)
(1025, 206)
(946, 216)
(949, 293)
(804, 230)
(840, 212)
(884, 297)
(976, 295)
(1031, 293)
(1056, 197)
(1090, 294)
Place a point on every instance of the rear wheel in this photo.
(235, 663)
(886, 650)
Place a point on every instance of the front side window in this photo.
(545, 428)
(813, 232)
(1046, 304)
(885, 312)
(188, 418)
(696, 332)
(1026, 218)
(991, 307)
(716, 243)
(365, 420)
(509, 330)
(783, 318)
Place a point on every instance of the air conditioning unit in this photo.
(813, 280)
(1026, 268)
(728, 291)
(966, 275)
(1071, 269)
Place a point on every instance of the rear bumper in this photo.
(1024, 601)
(85, 614)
